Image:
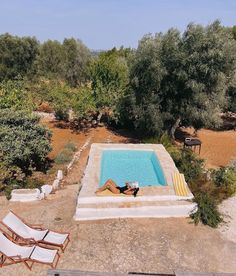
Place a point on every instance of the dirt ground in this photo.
(123, 245)
(218, 147)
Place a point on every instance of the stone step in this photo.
(154, 211)
(130, 204)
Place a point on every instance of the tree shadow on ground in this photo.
(129, 136)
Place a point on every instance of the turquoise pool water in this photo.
(131, 165)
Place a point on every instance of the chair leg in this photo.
(64, 247)
(57, 260)
(28, 266)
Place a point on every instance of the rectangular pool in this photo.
(131, 165)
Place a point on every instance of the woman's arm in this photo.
(129, 191)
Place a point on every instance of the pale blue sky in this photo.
(103, 24)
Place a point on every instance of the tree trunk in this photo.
(174, 127)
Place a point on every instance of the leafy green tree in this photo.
(59, 96)
(24, 144)
(109, 76)
(83, 103)
(17, 55)
(146, 75)
(77, 57)
(210, 66)
(13, 94)
(49, 62)
(232, 31)
(183, 78)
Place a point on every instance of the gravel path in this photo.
(228, 229)
(123, 245)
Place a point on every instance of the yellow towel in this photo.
(109, 193)
(179, 184)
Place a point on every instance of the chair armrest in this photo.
(16, 257)
(26, 242)
(37, 226)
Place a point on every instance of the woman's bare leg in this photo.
(110, 185)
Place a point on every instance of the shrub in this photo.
(32, 183)
(12, 184)
(64, 156)
(225, 178)
(24, 146)
(27, 183)
(61, 113)
(229, 181)
(164, 139)
(232, 164)
(207, 211)
(83, 103)
(189, 164)
(217, 176)
(13, 94)
(71, 146)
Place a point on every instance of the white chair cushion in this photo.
(57, 238)
(43, 255)
(21, 229)
(11, 249)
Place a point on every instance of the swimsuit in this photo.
(122, 189)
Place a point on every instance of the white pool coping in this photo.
(90, 181)
(90, 206)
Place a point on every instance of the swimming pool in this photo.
(131, 165)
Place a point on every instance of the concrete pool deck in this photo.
(154, 202)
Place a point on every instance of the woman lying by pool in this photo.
(111, 186)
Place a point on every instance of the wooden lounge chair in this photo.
(34, 234)
(13, 253)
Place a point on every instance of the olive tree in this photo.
(50, 60)
(77, 57)
(17, 55)
(182, 79)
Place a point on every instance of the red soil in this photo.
(218, 147)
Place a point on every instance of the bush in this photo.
(71, 146)
(64, 156)
(164, 139)
(225, 178)
(12, 184)
(24, 146)
(83, 103)
(23, 142)
(207, 211)
(14, 95)
(229, 181)
(32, 183)
(28, 183)
(61, 113)
(188, 164)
